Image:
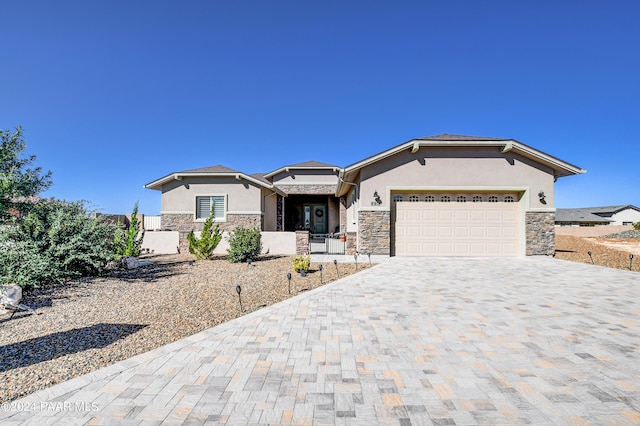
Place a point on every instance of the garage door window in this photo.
(445, 199)
(477, 199)
(430, 199)
(414, 198)
(509, 199)
(397, 198)
(493, 199)
(461, 199)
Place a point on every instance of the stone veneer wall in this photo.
(184, 223)
(302, 243)
(352, 243)
(343, 215)
(375, 232)
(308, 189)
(540, 233)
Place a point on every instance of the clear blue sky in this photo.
(115, 94)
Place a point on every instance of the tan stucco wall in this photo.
(301, 177)
(441, 167)
(180, 196)
(590, 231)
(269, 208)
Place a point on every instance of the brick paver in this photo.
(409, 342)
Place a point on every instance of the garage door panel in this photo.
(456, 228)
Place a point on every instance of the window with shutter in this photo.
(206, 206)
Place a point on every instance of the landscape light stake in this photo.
(239, 290)
(321, 274)
(630, 261)
(289, 278)
(248, 262)
(355, 256)
(589, 253)
(335, 262)
(369, 259)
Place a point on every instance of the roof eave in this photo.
(288, 168)
(157, 184)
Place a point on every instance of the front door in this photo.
(318, 219)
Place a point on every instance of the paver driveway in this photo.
(412, 341)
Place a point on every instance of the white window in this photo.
(211, 205)
(445, 199)
(509, 199)
(477, 199)
(430, 199)
(493, 199)
(397, 198)
(414, 198)
(461, 199)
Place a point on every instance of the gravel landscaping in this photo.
(93, 322)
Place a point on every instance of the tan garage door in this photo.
(456, 224)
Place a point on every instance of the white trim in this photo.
(483, 188)
(157, 184)
(245, 212)
(541, 210)
(176, 212)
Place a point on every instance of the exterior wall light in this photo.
(542, 197)
(376, 198)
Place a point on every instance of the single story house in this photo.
(444, 195)
(624, 215)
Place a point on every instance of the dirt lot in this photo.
(610, 252)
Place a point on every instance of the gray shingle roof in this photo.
(579, 215)
(212, 169)
(310, 164)
(448, 137)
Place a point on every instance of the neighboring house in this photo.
(624, 215)
(444, 195)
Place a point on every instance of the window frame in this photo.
(222, 218)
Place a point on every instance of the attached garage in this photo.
(456, 224)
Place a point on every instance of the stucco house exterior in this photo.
(444, 195)
(621, 215)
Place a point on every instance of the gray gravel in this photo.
(93, 322)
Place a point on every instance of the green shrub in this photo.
(128, 242)
(203, 247)
(636, 226)
(55, 241)
(244, 243)
(301, 263)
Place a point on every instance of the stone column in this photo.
(302, 243)
(540, 233)
(375, 232)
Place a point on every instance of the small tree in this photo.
(18, 183)
(129, 241)
(244, 243)
(636, 226)
(203, 247)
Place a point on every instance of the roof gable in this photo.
(306, 165)
(560, 168)
(213, 171)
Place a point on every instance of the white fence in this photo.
(152, 223)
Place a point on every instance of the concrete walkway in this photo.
(411, 341)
